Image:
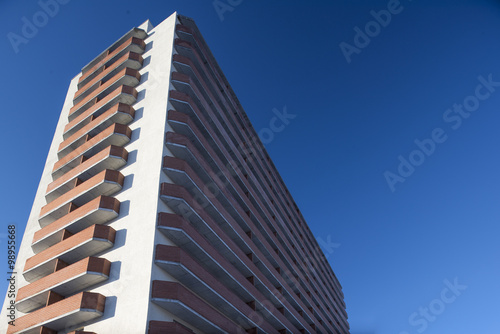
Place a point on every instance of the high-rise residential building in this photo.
(160, 211)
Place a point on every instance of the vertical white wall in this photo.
(158, 86)
(128, 289)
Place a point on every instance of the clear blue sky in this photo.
(392, 250)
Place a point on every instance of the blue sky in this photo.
(396, 249)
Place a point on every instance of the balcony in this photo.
(116, 134)
(189, 87)
(183, 203)
(232, 245)
(186, 49)
(184, 304)
(189, 172)
(195, 242)
(120, 113)
(65, 282)
(105, 59)
(88, 242)
(98, 211)
(105, 183)
(127, 76)
(112, 157)
(124, 94)
(229, 266)
(220, 207)
(162, 327)
(69, 312)
(129, 60)
(183, 148)
(182, 267)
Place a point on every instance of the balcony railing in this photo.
(120, 113)
(131, 60)
(123, 94)
(98, 211)
(127, 76)
(65, 282)
(116, 134)
(107, 58)
(161, 327)
(112, 157)
(105, 183)
(88, 242)
(186, 305)
(230, 273)
(69, 312)
(181, 266)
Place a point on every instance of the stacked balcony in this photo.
(62, 314)
(76, 222)
(234, 218)
(67, 281)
